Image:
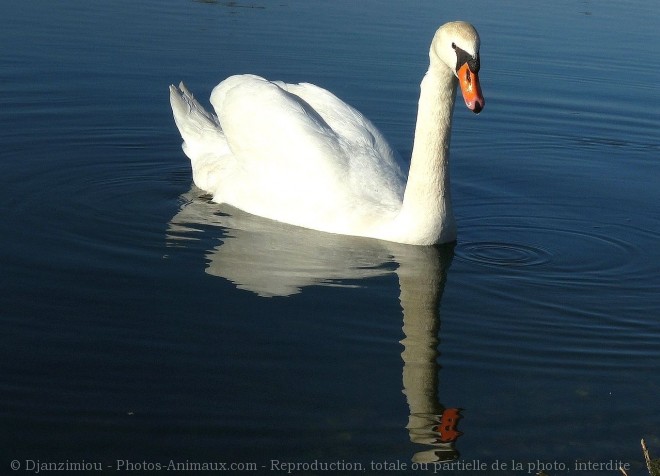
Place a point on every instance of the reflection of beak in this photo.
(470, 88)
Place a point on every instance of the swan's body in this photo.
(297, 154)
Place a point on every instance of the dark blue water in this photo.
(142, 324)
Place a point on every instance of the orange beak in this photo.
(471, 89)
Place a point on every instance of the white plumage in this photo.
(298, 154)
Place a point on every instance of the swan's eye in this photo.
(463, 57)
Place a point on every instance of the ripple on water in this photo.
(572, 295)
(495, 253)
(565, 251)
(94, 210)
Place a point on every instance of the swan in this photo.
(297, 154)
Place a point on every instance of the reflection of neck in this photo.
(422, 282)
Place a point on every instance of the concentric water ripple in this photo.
(94, 208)
(503, 254)
(564, 250)
(587, 287)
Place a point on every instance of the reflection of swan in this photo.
(274, 259)
(297, 154)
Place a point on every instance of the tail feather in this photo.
(200, 130)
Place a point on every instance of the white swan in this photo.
(297, 154)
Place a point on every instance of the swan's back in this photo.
(373, 165)
(293, 153)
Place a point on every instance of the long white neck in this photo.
(426, 215)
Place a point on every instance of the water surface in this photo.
(142, 322)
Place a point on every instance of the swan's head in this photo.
(456, 46)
